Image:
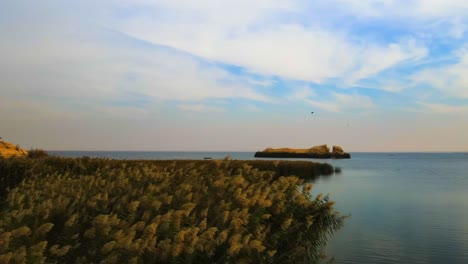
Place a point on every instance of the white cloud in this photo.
(377, 59)
(301, 93)
(435, 18)
(421, 9)
(353, 101)
(264, 83)
(330, 106)
(457, 28)
(253, 108)
(244, 12)
(450, 79)
(199, 108)
(436, 8)
(94, 68)
(366, 7)
(289, 51)
(444, 108)
(226, 13)
(340, 102)
(389, 85)
(255, 35)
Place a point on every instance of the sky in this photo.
(222, 75)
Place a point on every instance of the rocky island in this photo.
(317, 152)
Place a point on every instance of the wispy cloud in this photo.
(419, 9)
(444, 108)
(377, 59)
(289, 51)
(301, 93)
(86, 69)
(199, 108)
(451, 79)
(253, 108)
(340, 102)
(263, 83)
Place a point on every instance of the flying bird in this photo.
(311, 112)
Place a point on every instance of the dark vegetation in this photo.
(90, 210)
(37, 153)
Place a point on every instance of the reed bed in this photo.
(61, 210)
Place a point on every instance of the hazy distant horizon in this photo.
(386, 76)
(246, 151)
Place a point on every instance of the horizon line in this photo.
(223, 151)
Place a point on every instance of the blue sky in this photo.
(382, 75)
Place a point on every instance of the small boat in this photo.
(207, 158)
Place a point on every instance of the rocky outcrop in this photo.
(7, 150)
(337, 150)
(317, 152)
(322, 149)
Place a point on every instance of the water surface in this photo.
(405, 208)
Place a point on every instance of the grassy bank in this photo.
(97, 210)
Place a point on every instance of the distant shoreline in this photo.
(239, 151)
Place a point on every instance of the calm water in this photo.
(404, 207)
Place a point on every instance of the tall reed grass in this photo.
(62, 210)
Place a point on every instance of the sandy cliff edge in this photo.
(8, 149)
